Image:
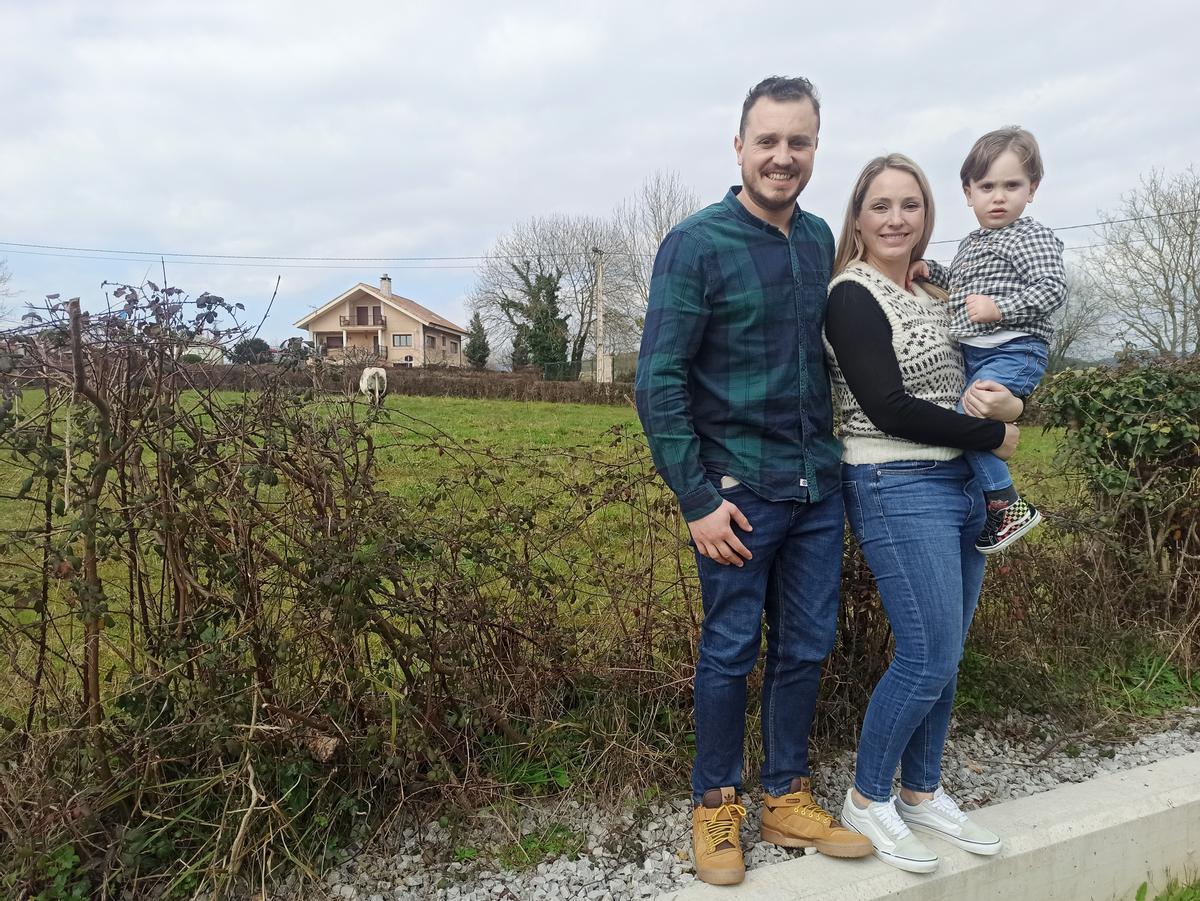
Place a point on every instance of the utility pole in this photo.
(604, 373)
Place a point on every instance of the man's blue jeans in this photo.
(793, 579)
(1018, 365)
(916, 523)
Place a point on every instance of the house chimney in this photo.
(385, 285)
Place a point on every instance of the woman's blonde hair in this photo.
(850, 247)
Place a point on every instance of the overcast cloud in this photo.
(426, 129)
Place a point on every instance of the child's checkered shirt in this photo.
(1020, 266)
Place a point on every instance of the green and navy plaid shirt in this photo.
(731, 377)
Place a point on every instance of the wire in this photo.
(237, 256)
(1067, 228)
(470, 261)
(214, 262)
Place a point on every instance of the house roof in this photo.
(422, 314)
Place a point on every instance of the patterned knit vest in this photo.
(930, 365)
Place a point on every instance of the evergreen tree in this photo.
(520, 347)
(252, 350)
(477, 350)
(547, 326)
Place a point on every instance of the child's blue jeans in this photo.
(1018, 365)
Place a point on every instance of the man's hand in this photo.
(916, 269)
(1012, 435)
(715, 538)
(981, 308)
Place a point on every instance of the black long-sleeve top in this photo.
(861, 336)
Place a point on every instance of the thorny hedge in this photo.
(230, 646)
(1134, 434)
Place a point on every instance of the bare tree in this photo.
(5, 291)
(1148, 272)
(1082, 325)
(641, 222)
(543, 245)
(565, 245)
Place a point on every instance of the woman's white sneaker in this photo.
(894, 843)
(941, 817)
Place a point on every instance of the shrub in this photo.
(232, 645)
(266, 644)
(1134, 434)
(252, 350)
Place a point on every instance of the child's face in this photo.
(1000, 197)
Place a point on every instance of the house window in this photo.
(408, 360)
(443, 340)
(376, 315)
(453, 347)
(431, 341)
(360, 315)
(333, 341)
(401, 340)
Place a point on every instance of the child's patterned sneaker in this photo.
(1005, 524)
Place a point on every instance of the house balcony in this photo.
(353, 322)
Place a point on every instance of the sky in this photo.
(403, 130)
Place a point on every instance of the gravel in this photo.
(637, 854)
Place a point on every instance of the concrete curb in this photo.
(1097, 840)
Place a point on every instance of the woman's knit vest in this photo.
(930, 365)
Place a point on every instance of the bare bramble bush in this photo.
(1133, 433)
(228, 645)
(239, 627)
(1097, 616)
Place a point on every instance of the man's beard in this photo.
(770, 203)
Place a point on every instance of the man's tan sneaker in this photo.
(716, 845)
(795, 820)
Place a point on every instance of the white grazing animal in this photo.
(373, 384)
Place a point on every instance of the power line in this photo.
(1067, 228)
(236, 256)
(215, 262)
(433, 262)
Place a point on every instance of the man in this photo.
(733, 394)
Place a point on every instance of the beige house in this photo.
(367, 323)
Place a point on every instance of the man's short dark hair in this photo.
(781, 90)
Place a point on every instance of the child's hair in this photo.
(994, 143)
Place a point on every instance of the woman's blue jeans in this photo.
(916, 522)
(792, 582)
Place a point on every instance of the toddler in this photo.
(1004, 283)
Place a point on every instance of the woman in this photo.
(911, 501)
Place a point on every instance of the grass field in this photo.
(515, 430)
(540, 446)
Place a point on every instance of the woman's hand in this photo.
(991, 400)
(1012, 435)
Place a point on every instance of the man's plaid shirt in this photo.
(1020, 266)
(731, 377)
